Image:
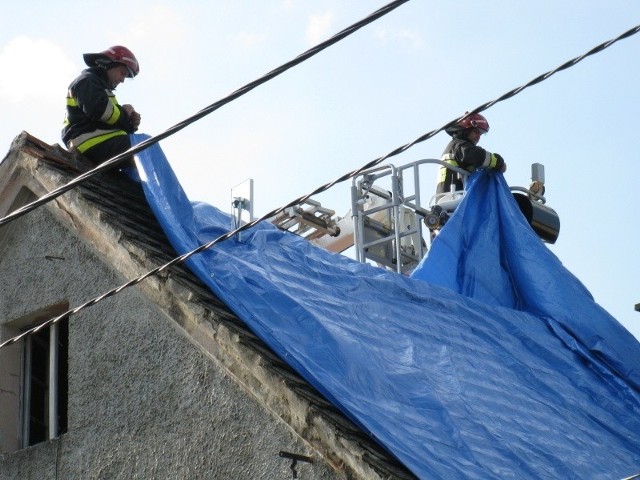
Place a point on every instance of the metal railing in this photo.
(388, 222)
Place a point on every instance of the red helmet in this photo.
(115, 54)
(475, 120)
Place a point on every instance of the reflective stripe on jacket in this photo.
(93, 113)
(82, 143)
(462, 153)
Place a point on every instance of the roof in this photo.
(124, 214)
(473, 367)
(491, 361)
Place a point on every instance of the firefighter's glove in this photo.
(497, 162)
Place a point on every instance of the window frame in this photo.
(14, 377)
(53, 416)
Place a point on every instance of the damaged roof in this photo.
(122, 213)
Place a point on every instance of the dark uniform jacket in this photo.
(462, 153)
(93, 114)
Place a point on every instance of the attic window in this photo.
(45, 384)
(34, 380)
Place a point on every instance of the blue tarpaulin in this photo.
(491, 362)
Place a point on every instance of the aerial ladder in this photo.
(390, 225)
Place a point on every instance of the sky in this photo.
(406, 74)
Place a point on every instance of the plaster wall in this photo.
(144, 402)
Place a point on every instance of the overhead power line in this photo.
(318, 190)
(202, 113)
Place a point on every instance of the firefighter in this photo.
(96, 125)
(463, 152)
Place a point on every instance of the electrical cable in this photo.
(318, 190)
(202, 113)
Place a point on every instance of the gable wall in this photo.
(143, 402)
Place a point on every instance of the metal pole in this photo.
(26, 399)
(395, 201)
(53, 381)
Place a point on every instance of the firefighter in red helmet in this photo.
(96, 125)
(463, 152)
